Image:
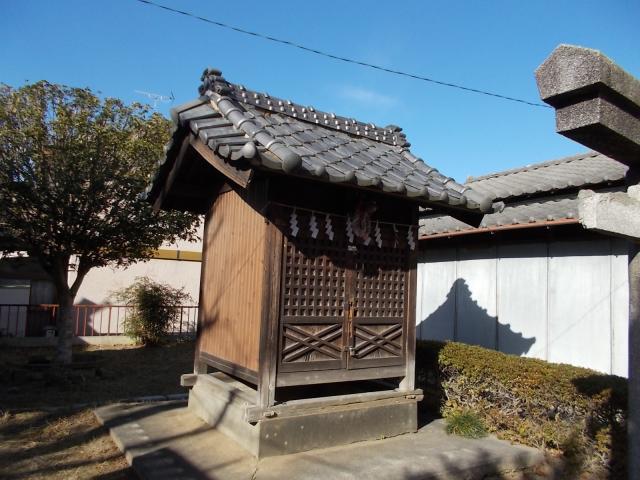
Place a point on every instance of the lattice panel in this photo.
(380, 283)
(314, 279)
(311, 343)
(378, 341)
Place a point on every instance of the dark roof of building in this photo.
(579, 171)
(243, 126)
(535, 195)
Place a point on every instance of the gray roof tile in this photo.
(581, 170)
(536, 194)
(527, 212)
(319, 144)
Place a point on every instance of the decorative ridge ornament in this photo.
(213, 80)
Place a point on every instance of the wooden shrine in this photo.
(309, 265)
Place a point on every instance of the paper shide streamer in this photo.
(313, 225)
(328, 228)
(293, 223)
(350, 234)
(410, 240)
(378, 235)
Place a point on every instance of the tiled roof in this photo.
(243, 126)
(581, 170)
(535, 195)
(541, 210)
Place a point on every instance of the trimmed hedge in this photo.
(578, 412)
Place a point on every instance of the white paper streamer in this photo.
(328, 228)
(395, 236)
(378, 235)
(293, 223)
(313, 225)
(349, 230)
(412, 243)
(367, 240)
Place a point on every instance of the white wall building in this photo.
(530, 280)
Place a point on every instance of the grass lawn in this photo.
(68, 443)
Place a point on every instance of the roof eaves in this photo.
(355, 153)
(496, 228)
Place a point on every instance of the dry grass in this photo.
(124, 372)
(67, 445)
(37, 442)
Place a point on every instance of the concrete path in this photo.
(164, 440)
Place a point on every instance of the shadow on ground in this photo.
(121, 372)
(60, 445)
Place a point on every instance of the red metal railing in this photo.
(88, 320)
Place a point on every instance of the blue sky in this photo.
(120, 46)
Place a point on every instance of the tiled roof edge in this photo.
(213, 81)
(535, 166)
(288, 159)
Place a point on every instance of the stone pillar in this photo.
(598, 104)
(633, 422)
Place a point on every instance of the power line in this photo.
(337, 57)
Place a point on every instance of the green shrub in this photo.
(578, 412)
(154, 309)
(466, 423)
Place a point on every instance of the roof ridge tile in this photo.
(534, 166)
(213, 81)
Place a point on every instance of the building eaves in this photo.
(527, 213)
(243, 126)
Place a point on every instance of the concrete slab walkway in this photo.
(164, 440)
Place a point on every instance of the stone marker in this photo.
(598, 104)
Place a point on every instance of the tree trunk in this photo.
(65, 326)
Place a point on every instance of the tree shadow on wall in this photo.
(460, 318)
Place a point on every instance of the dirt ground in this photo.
(66, 445)
(42, 434)
(118, 373)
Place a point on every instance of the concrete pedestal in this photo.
(300, 425)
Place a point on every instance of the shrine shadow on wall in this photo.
(461, 319)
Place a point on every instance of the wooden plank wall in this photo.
(232, 281)
(561, 301)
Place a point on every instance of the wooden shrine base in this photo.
(299, 425)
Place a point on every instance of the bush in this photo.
(578, 412)
(154, 309)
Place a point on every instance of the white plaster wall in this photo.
(101, 282)
(522, 292)
(563, 302)
(579, 306)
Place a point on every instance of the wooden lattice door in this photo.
(314, 301)
(378, 307)
(341, 307)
